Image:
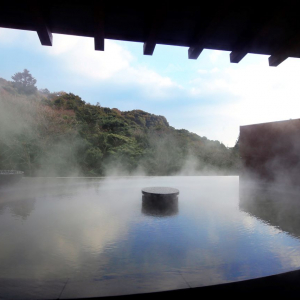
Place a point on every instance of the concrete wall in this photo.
(271, 151)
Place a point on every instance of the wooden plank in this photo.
(99, 26)
(42, 28)
(207, 29)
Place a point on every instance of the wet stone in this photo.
(160, 201)
(160, 191)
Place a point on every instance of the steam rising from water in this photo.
(32, 138)
(271, 153)
(45, 142)
(96, 230)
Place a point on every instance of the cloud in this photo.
(24, 39)
(249, 93)
(209, 99)
(263, 93)
(214, 56)
(78, 56)
(155, 85)
(7, 36)
(87, 67)
(201, 71)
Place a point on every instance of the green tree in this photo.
(24, 82)
(93, 158)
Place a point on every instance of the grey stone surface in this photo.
(206, 276)
(31, 289)
(164, 191)
(124, 285)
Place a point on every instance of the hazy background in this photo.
(209, 96)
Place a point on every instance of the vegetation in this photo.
(24, 82)
(59, 134)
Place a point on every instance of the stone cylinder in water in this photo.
(160, 201)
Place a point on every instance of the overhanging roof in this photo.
(240, 27)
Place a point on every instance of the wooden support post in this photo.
(149, 47)
(157, 20)
(42, 28)
(45, 35)
(275, 60)
(207, 29)
(285, 50)
(237, 56)
(201, 35)
(265, 19)
(99, 26)
(195, 51)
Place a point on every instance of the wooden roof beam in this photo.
(149, 45)
(42, 28)
(243, 44)
(277, 59)
(289, 45)
(155, 25)
(99, 26)
(237, 56)
(249, 36)
(284, 51)
(203, 33)
(207, 29)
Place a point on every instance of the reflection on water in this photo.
(99, 231)
(277, 206)
(160, 206)
(20, 208)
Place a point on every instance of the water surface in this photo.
(92, 237)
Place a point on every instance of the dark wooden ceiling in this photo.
(240, 27)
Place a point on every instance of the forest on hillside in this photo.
(59, 134)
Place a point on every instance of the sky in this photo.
(208, 96)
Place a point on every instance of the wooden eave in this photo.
(237, 26)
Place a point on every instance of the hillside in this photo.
(59, 134)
